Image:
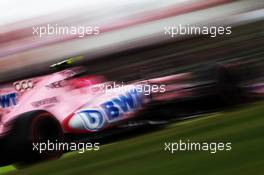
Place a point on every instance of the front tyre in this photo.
(29, 131)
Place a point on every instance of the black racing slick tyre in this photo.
(30, 130)
(228, 80)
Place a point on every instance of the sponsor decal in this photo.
(92, 119)
(127, 102)
(23, 85)
(43, 102)
(55, 85)
(114, 110)
(8, 100)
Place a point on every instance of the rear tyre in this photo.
(228, 80)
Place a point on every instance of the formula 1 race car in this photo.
(70, 102)
(49, 107)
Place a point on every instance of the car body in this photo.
(86, 104)
(68, 100)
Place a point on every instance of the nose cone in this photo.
(91, 120)
(76, 122)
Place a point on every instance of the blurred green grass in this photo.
(145, 154)
(6, 169)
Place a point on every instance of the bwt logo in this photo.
(114, 110)
(116, 107)
(93, 120)
(7, 100)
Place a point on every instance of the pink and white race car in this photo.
(51, 106)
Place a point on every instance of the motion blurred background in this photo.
(131, 43)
